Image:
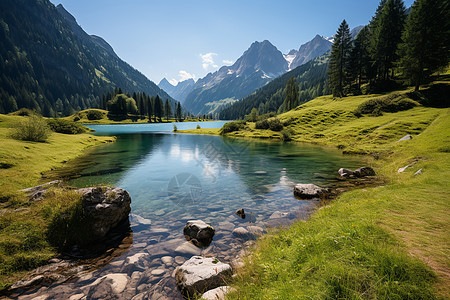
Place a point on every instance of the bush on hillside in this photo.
(273, 124)
(65, 126)
(33, 128)
(232, 126)
(263, 124)
(391, 103)
(94, 115)
(24, 112)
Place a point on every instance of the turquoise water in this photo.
(173, 178)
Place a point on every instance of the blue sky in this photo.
(178, 39)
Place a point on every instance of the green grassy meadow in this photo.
(385, 242)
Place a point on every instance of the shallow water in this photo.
(173, 178)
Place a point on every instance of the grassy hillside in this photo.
(23, 243)
(387, 242)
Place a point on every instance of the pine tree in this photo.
(359, 67)
(425, 47)
(158, 108)
(386, 31)
(339, 60)
(178, 113)
(168, 110)
(291, 91)
(150, 107)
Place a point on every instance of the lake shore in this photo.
(403, 224)
(22, 239)
(409, 211)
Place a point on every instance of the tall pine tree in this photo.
(339, 60)
(386, 31)
(360, 60)
(158, 108)
(426, 44)
(291, 91)
(168, 110)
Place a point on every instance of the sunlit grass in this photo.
(386, 242)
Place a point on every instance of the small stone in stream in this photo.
(159, 212)
(255, 230)
(188, 248)
(179, 260)
(199, 233)
(278, 214)
(167, 260)
(260, 173)
(241, 232)
(347, 173)
(138, 220)
(241, 213)
(158, 272)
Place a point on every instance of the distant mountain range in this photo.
(260, 64)
(312, 49)
(50, 64)
(179, 91)
(311, 78)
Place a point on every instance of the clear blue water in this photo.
(173, 178)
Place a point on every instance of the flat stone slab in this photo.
(200, 274)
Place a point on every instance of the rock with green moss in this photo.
(105, 208)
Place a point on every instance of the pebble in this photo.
(158, 272)
(167, 260)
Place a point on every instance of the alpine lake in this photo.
(173, 178)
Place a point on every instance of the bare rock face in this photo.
(105, 208)
(200, 274)
(309, 191)
(199, 233)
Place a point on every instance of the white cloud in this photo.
(183, 75)
(208, 60)
(227, 62)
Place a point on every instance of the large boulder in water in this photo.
(199, 233)
(309, 191)
(200, 274)
(105, 208)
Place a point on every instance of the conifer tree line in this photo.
(141, 106)
(393, 46)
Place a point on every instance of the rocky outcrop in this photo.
(200, 274)
(105, 208)
(358, 173)
(309, 191)
(37, 192)
(199, 233)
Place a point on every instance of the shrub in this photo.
(33, 129)
(263, 124)
(198, 126)
(175, 128)
(232, 126)
(24, 112)
(76, 118)
(390, 103)
(286, 134)
(65, 126)
(94, 115)
(275, 124)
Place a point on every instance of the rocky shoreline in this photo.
(156, 268)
